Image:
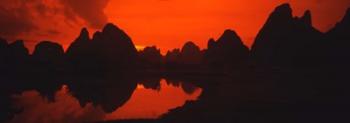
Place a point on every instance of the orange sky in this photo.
(169, 23)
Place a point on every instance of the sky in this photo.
(168, 24)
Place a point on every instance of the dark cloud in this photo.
(24, 17)
(51, 31)
(89, 10)
(15, 19)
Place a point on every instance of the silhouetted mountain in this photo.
(18, 52)
(227, 51)
(109, 50)
(338, 43)
(284, 40)
(18, 57)
(79, 47)
(79, 53)
(306, 18)
(189, 58)
(3, 44)
(173, 56)
(3, 53)
(49, 53)
(113, 49)
(151, 57)
(335, 49)
(14, 58)
(191, 53)
(342, 27)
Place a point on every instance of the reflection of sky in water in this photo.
(144, 103)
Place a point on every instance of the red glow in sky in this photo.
(165, 23)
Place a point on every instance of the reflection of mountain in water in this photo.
(100, 102)
(109, 50)
(65, 109)
(148, 103)
(108, 92)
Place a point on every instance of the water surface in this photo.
(147, 101)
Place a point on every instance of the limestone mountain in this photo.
(227, 51)
(191, 53)
(285, 39)
(111, 49)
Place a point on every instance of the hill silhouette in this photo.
(337, 43)
(191, 53)
(228, 52)
(150, 57)
(187, 60)
(78, 53)
(113, 46)
(3, 53)
(109, 50)
(173, 56)
(284, 39)
(49, 56)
